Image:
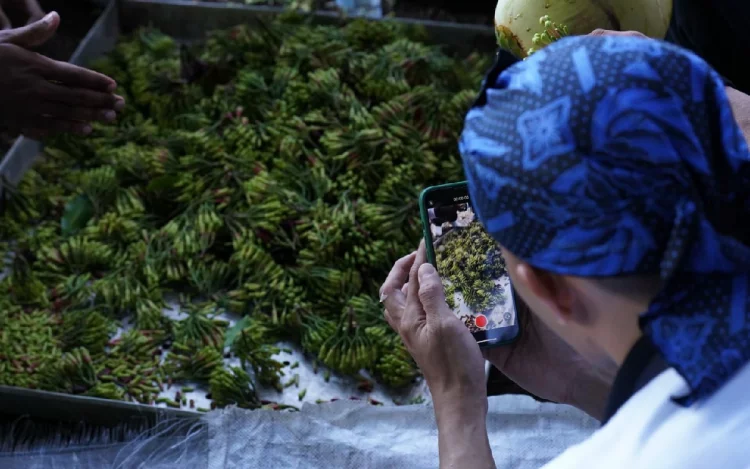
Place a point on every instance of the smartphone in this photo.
(469, 261)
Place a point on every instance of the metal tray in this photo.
(189, 21)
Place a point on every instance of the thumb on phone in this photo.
(34, 34)
(431, 292)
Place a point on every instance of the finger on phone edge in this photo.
(394, 308)
(397, 277)
(421, 257)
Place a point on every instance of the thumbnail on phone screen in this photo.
(469, 261)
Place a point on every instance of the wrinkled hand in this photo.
(30, 9)
(546, 366)
(448, 356)
(40, 96)
(442, 346)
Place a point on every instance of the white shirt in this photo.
(651, 431)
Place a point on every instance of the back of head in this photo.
(618, 158)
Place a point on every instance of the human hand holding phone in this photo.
(448, 356)
(443, 348)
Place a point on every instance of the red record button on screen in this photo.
(481, 321)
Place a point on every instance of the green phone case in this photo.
(426, 234)
(426, 220)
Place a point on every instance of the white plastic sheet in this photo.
(524, 434)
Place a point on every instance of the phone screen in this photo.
(476, 283)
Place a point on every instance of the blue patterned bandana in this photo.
(609, 156)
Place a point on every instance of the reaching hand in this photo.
(546, 366)
(40, 96)
(442, 346)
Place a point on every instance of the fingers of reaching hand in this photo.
(77, 77)
(33, 34)
(81, 97)
(45, 126)
(75, 113)
(68, 109)
(414, 311)
(431, 293)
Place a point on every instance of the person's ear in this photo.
(550, 289)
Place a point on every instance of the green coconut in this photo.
(517, 22)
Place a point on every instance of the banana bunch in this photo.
(450, 295)
(74, 372)
(133, 347)
(128, 202)
(395, 366)
(331, 287)
(98, 183)
(27, 344)
(316, 332)
(107, 391)
(26, 288)
(365, 35)
(349, 348)
(18, 208)
(113, 226)
(133, 365)
(210, 277)
(188, 242)
(253, 351)
(208, 221)
(86, 328)
(149, 317)
(187, 362)
(79, 255)
(200, 327)
(175, 270)
(366, 310)
(120, 293)
(233, 387)
(348, 355)
(140, 162)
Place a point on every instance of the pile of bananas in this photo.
(271, 171)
